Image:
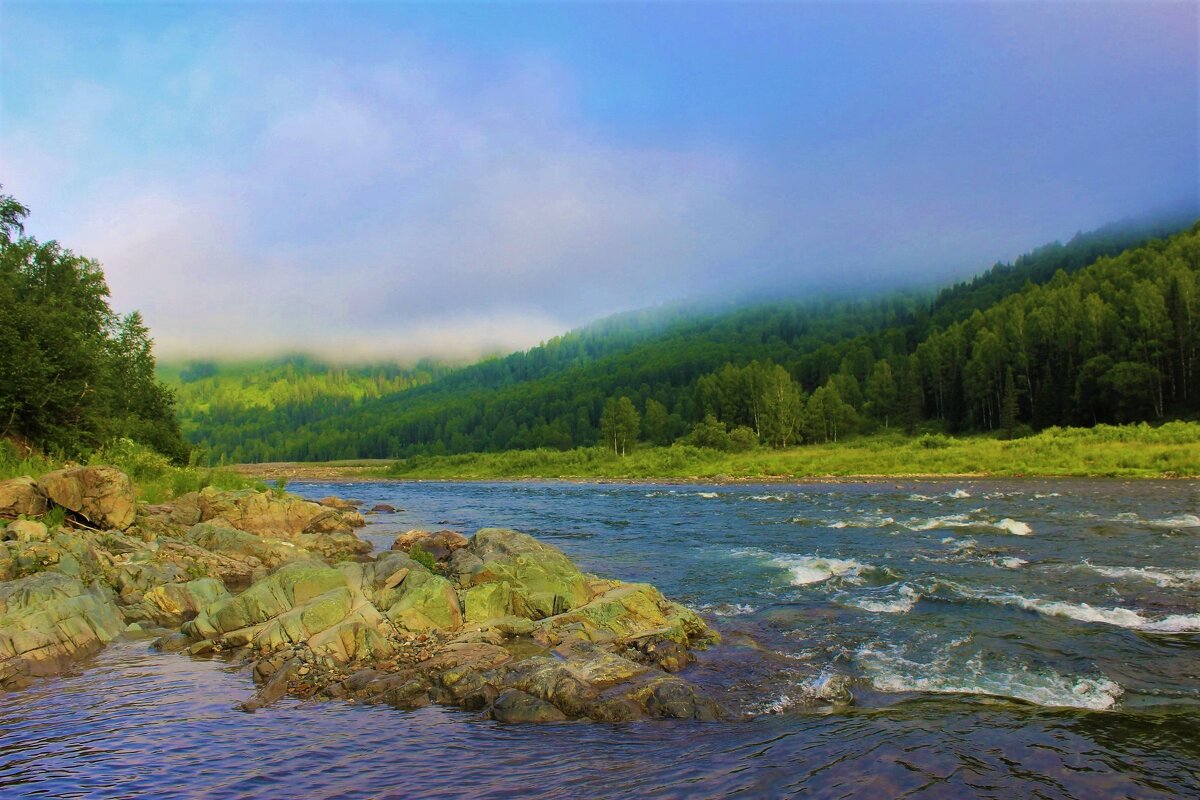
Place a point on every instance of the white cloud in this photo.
(408, 206)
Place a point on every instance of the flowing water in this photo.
(1001, 639)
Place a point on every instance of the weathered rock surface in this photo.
(102, 495)
(20, 496)
(49, 620)
(504, 624)
(519, 633)
(305, 524)
(439, 544)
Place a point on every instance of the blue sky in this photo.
(378, 179)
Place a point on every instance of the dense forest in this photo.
(1100, 329)
(75, 375)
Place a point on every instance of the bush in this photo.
(934, 441)
(742, 439)
(423, 557)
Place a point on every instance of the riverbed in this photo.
(1000, 638)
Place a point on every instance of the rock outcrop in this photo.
(49, 620)
(20, 497)
(499, 623)
(512, 628)
(101, 495)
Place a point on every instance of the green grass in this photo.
(154, 476)
(1141, 451)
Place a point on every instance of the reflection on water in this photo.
(985, 659)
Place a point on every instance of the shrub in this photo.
(934, 441)
(423, 557)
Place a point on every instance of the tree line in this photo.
(75, 374)
(1060, 336)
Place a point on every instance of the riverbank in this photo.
(1132, 451)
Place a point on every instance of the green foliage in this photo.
(423, 557)
(1115, 341)
(54, 518)
(1169, 450)
(280, 488)
(619, 425)
(74, 374)
(934, 441)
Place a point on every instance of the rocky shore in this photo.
(498, 623)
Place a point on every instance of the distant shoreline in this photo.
(1170, 452)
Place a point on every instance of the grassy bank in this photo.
(1170, 450)
(154, 476)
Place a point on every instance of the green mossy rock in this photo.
(219, 538)
(49, 620)
(627, 612)
(543, 581)
(293, 585)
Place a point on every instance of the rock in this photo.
(26, 530)
(49, 620)
(628, 612)
(488, 601)
(293, 585)
(102, 495)
(355, 519)
(513, 705)
(396, 578)
(20, 496)
(174, 602)
(383, 508)
(439, 544)
(543, 581)
(260, 513)
(218, 537)
(340, 504)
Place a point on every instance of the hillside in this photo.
(1100, 329)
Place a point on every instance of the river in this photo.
(1020, 638)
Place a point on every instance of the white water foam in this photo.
(959, 521)
(1010, 562)
(1181, 521)
(863, 522)
(1166, 578)
(727, 609)
(769, 498)
(959, 494)
(920, 498)
(815, 569)
(900, 605)
(707, 495)
(889, 671)
(1085, 612)
(1015, 527)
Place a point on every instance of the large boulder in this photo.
(49, 620)
(542, 581)
(628, 612)
(439, 544)
(102, 495)
(262, 513)
(20, 497)
(287, 517)
(217, 537)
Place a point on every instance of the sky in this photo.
(386, 180)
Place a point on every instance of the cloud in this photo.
(404, 205)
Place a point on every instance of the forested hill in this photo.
(1045, 340)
